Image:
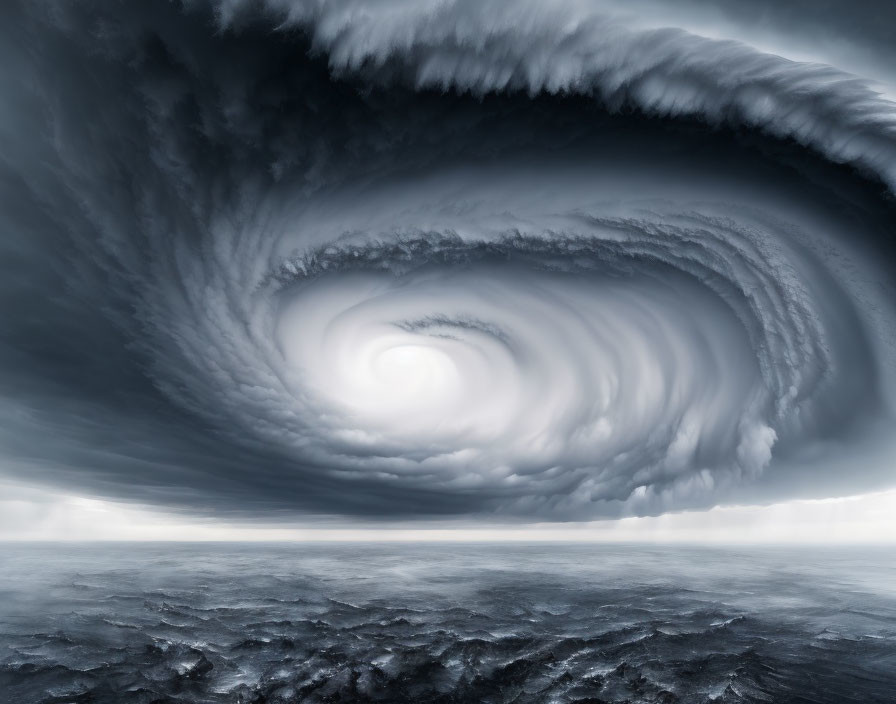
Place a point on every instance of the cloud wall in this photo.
(529, 261)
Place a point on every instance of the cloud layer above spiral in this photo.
(545, 261)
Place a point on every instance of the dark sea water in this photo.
(445, 623)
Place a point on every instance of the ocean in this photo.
(438, 623)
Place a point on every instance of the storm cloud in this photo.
(547, 261)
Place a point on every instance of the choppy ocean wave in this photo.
(459, 623)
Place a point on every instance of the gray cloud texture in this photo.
(531, 260)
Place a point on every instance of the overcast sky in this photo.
(621, 269)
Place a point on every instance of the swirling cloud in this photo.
(549, 261)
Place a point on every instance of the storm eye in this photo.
(411, 371)
(389, 377)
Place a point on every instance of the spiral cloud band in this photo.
(551, 261)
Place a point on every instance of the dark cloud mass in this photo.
(550, 261)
